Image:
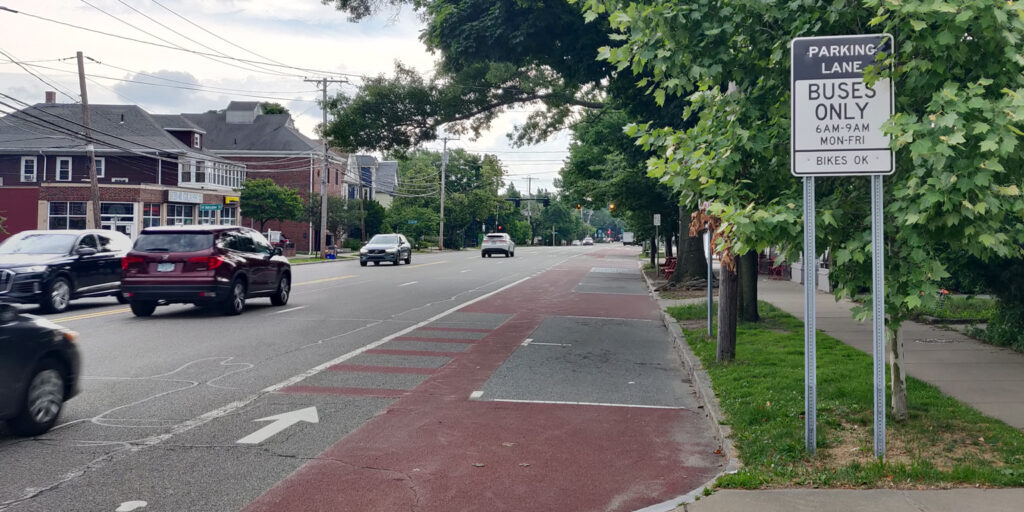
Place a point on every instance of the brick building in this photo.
(271, 147)
(152, 170)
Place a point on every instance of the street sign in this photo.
(412, 221)
(836, 118)
(208, 207)
(657, 219)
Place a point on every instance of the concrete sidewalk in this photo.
(982, 376)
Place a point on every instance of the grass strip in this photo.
(943, 444)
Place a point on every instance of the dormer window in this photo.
(197, 141)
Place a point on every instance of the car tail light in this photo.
(208, 262)
(128, 261)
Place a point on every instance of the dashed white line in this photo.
(527, 341)
(407, 284)
(554, 344)
(287, 310)
(464, 271)
(476, 394)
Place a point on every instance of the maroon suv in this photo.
(218, 266)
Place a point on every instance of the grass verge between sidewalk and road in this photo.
(761, 393)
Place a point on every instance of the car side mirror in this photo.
(85, 251)
(278, 251)
(7, 313)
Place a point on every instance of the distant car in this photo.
(53, 267)
(576, 243)
(588, 241)
(391, 247)
(497, 243)
(207, 265)
(39, 367)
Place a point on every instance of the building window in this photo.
(228, 216)
(185, 171)
(207, 216)
(197, 141)
(67, 214)
(101, 165)
(150, 214)
(117, 212)
(63, 169)
(200, 172)
(180, 214)
(28, 168)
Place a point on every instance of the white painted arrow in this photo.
(280, 422)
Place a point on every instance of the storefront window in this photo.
(207, 217)
(150, 215)
(228, 216)
(67, 215)
(180, 214)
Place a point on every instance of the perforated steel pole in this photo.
(810, 335)
(878, 309)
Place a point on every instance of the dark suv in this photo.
(52, 267)
(219, 266)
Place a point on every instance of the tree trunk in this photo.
(691, 265)
(727, 305)
(668, 244)
(654, 252)
(747, 269)
(899, 376)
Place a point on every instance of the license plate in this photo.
(165, 267)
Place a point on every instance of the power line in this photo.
(9, 56)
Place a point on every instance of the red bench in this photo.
(668, 267)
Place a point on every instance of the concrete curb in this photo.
(705, 395)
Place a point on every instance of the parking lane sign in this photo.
(836, 118)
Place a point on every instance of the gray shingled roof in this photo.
(269, 132)
(365, 161)
(176, 122)
(243, 105)
(387, 177)
(116, 127)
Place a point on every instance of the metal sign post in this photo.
(836, 121)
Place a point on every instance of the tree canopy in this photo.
(262, 200)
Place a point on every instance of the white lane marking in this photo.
(476, 394)
(464, 271)
(407, 284)
(527, 341)
(130, 506)
(287, 310)
(554, 402)
(279, 423)
(238, 404)
(554, 344)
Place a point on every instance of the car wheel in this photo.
(398, 258)
(376, 263)
(143, 307)
(408, 259)
(512, 254)
(482, 255)
(121, 299)
(236, 299)
(284, 290)
(44, 399)
(362, 263)
(57, 296)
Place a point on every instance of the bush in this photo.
(1007, 327)
(353, 243)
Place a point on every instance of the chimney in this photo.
(51, 97)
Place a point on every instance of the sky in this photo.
(275, 36)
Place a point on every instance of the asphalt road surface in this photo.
(541, 382)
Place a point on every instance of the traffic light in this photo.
(515, 202)
(611, 207)
(579, 206)
(546, 201)
(499, 227)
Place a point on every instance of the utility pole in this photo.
(444, 166)
(529, 212)
(90, 153)
(322, 84)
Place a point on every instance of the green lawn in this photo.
(944, 443)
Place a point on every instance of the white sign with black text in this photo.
(836, 118)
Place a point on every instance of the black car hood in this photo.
(25, 260)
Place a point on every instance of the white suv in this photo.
(497, 242)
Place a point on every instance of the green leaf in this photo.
(989, 145)
(987, 240)
(918, 25)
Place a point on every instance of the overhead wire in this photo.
(41, 79)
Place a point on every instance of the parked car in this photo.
(53, 267)
(207, 265)
(391, 247)
(39, 367)
(497, 243)
(576, 243)
(588, 241)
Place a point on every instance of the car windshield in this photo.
(495, 237)
(39, 243)
(174, 242)
(384, 239)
